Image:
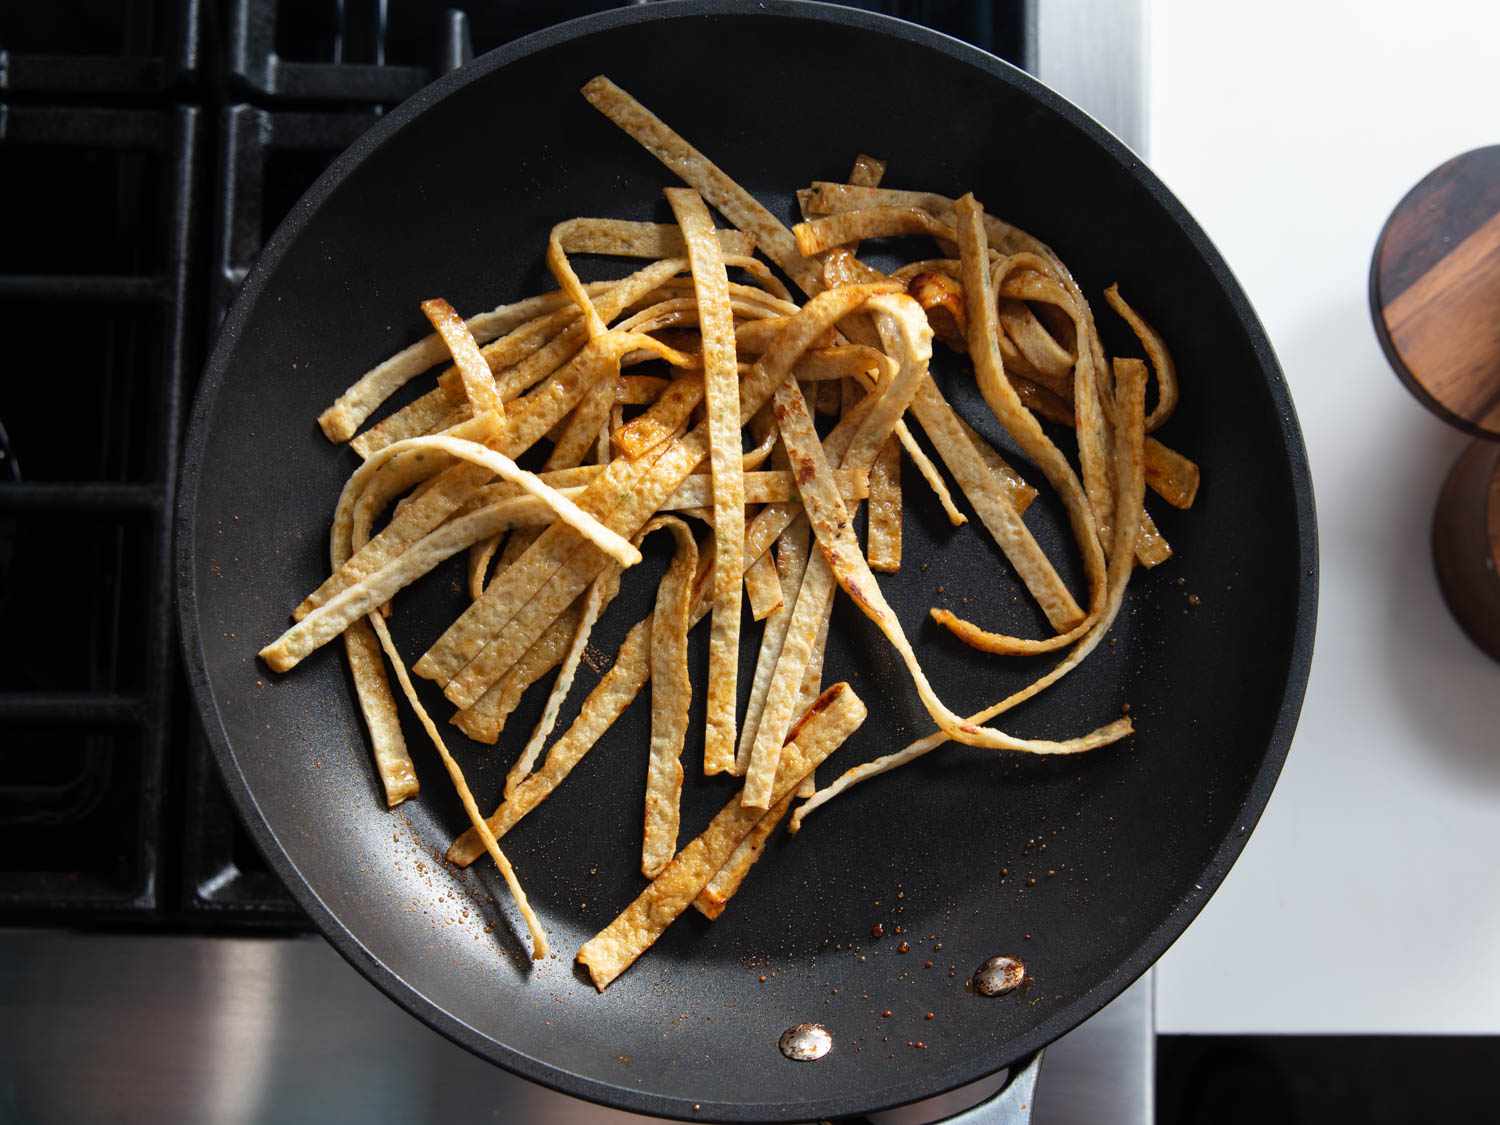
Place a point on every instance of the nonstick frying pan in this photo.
(1087, 867)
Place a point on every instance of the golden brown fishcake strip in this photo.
(904, 327)
(814, 595)
(627, 238)
(1019, 276)
(1130, 400)
(340, 421)
(1157, 352)
(671, 694)
(484, 721)
(1051, 364)
(393, 764)
(528, 419)
(837, 714)
(635, 491)
(999, 497)
(791, 562)
(465, 795)
(763, 587)
(479, 383)
(582, 431)
(732, 201)
(677, 403)
(715, 896)
(606, 703)
(1169, 474)
(335, 615)
(883, 513)
(640, 390)
(816, 236)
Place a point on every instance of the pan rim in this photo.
(538, 1070)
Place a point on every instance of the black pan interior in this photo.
(1123, 845)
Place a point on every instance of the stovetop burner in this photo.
(148, 148)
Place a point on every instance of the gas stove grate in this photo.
(147, 150)
(87, 683)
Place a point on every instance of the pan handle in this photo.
(1009, 1105)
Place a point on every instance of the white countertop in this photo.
(1368, 900)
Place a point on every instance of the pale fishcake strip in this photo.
(543, 361)
(514, 360)
(599, 594)
(721, 383)
(528, 419)
(627, 238)
(377, 703)
(393, 765)
(1130, 489)
(815, 594)
(1027, 432)
(812, 684)
(420, 416)
(762, 583)
(1168, 473)
(370, 593)
(765, 486)
(480, 556)
(635, 492)
(783, 692)
(905, 327)
(987, 492)
(567, 279)
(883, 518)
(721, 888)
(732, 201)
(836, 715)
(763, 587)
(479, 383)
(582, 431)
(484, 721)
(1017, 491)
(340, 421)
(413, 518)
(1018, 276)
(791, 561)
(606, 703)
(465, 795)
(1156, 351)
(715, 896)
(671, 694)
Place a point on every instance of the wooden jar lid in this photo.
(1466, 543)
(1435, 291)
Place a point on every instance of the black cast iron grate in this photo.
(147, 151)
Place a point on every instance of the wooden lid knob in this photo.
(1466, 543)
(1435, 291)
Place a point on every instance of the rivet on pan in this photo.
(999, 975)
(807, 1042)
